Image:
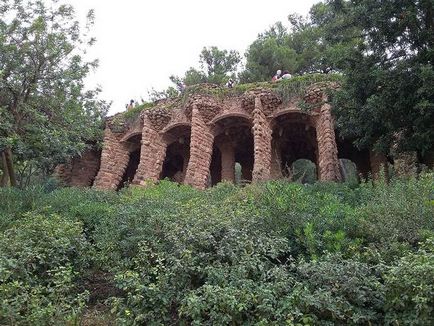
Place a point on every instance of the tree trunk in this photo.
(5, 176)
(10, 167)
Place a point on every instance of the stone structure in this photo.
(198, 139)
(81, 171)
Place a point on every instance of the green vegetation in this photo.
(272, 253)
(384, 51)
(47, 115)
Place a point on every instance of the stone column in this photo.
(228, 162)
(328, 163)
(114, 161)
(200, 151)
(152, 154)
(262, 135)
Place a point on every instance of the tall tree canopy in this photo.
(385, 51)
(46, 113)
(216, 66)
(387, 100)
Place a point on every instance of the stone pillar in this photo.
(328, 163)
(228, 162)
(200, 151)
(152, 154)
(378, 162)
(262, 135)
(114, 161)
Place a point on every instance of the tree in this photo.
(385, 52)
(268, 53)
(219, 65)
(216, 66)
(47, 114)
(387, 100)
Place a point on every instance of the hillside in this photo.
(267, 254)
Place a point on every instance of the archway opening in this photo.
(233, 146)
(133, 145)
(304, 171)
(215, 169)
(177, 153)
(293, 139)
(348, 152)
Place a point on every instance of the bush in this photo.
(410, 288)
(40, 258)
(268, 254)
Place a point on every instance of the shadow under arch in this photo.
(293, 138)
(133, 144)
(360, 158)
(233, 143)
(177, 138)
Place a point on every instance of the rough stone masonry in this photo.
(200, 139)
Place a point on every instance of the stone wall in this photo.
(114, 161)
(85, 168)
(225, 125)
(80, 171)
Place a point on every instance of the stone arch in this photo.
(177, 156)
(293, 138)
(130, 135)
(233, 143)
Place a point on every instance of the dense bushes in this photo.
(40, 258)
(272, 253)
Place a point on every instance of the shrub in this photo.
(398, 212)
(410, 288)
(40, 258)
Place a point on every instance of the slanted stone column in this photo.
(114, 161)
(200, 151)
(152, 154)
(228, 162)
(328, 163)
(262, 135)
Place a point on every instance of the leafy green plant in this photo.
(40, 261)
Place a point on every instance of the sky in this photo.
(141, 43)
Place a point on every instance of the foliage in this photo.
(216, 67)
(409, 287)
(271, 253)
(47, 114)
(40, 258)
(387, 99)
(384, 53)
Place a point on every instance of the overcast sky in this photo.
(141, 43)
